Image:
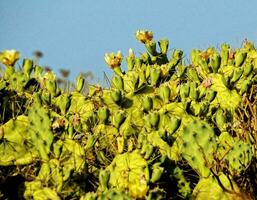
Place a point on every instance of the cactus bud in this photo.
(116, 95)
(103, 114)
(215, 61)
(64, 103)
(240, 58)
(245, 86)
(184, 91)
(151, 47)
(80, 83)
(120, 144)
(210, 95)
(104, 176)
(157, 172)
(173, 125)
(117, 82)
(38, 71)
(248, 68)
(147, 103)
(224, 53)
(192, 74)
(164, 92)
(51, 87)
(130, 59)
(154, 118)
(154, 75)
(148, 70)
(118, 118)
(9, 70)
(176, 57)
(27, 66)
(164, 45)
(90, 141)
(220, 120)
(237, 73)
(194, 93)
(148, 151)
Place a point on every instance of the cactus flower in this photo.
(113, 60)
(130, 59)
(9, 57)
(144, 36)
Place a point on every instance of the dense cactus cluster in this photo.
(164, 129)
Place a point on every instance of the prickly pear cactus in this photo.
(162, 129)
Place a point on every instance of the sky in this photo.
(75, 34)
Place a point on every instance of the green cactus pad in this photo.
(129, 171)
(16, 147)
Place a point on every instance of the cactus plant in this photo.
(157, 122)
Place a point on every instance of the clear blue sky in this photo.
(76, 34)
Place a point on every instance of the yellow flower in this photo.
(113, 60)
(9, 57)
(144, 36)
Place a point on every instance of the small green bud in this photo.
(103, 114)
(240, 58)
(116, 95)
(38, 71)
(104, 176)
(157, 172)
(120, 144)
(237, 73)
(27, 66)
(215, 61)
(154, 118)
(51, 87)
(248, 68)
(80, 80)
(151, 47)
(184, 91)
(9, 70)
(164, 92)
(64, 103)
(130, 59)
(147, 103)
(155, 74)
(164, 45)
(118, 118)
